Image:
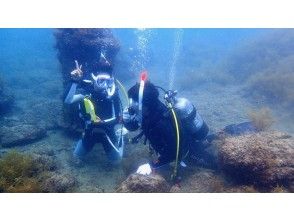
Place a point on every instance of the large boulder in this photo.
(20, 134)
(264, 159)
(84, 45)
(137, 183)
(32, 124)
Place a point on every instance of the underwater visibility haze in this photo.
(241, 82)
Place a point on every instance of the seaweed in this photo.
(27, 173)
(17, 173)
(279, 189)
(262, 119)
(262, 159)
(58, 183)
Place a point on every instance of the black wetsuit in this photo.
(160, 130)
(103, 131)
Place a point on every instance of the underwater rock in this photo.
(200, 181)
(204, 155)
(18, 173)
(48, 114)
(241, 189)
(280, 189)
(20, 134)
(137, 183)
(84, 45)
(31, 125)
(44, 162)
(58, 183)
(252, 189)
(264, 159)
(31, 172)
(242, 128)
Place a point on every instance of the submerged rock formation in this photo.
(84, 45)
(264, 159)
(47, 114)
(137, 183)
(32, 124)
(58, 183)
(200, 181)
(20, 134)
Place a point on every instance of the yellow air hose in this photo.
(174, 175)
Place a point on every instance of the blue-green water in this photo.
(224, 72)
(27, 50)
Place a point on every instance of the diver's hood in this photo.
(104, 83)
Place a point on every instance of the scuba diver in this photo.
(172, 129)
(100, 108)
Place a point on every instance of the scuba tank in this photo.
(188, 115)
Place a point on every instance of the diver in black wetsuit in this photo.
(100, 108)
(155, 119)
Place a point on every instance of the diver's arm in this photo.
(129, 120)
(71, 96)
(109, 121)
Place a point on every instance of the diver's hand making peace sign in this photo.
(77, 73)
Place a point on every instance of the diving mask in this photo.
(104, 83)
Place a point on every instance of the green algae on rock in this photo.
(263, 159)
